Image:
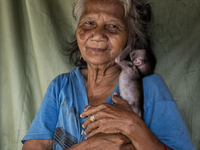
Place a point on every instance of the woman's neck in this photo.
(101, 75)
(100, 82)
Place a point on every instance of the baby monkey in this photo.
(135, 64)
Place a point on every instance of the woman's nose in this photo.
(99, 35)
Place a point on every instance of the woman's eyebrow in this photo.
(86, 17)
(117, 21)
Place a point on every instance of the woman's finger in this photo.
(91, 119)
(114, 128)
(94, 132)
(101, 115)
(91, 126)
(94, 125)
(93, 110)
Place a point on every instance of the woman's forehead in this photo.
(107, 7)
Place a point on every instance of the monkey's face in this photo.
(102, 32)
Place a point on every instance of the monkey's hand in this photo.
(86, 107)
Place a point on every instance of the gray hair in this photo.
(138, 15)
(134, 12)
(79, 7)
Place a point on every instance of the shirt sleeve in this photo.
(162, 115)
(44, 123)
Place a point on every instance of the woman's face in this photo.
(102, 32)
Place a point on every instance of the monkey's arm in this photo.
(125, 52)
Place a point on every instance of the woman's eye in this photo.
(113, 26)
(88, 25)
(89, 22)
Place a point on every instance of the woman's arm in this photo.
(120, 119)
(38, 145)
(104, 142)
(97, 142)
(142, 137)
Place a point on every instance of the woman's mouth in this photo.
(98, 49)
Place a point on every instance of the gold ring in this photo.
(92, 118)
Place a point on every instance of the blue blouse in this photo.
(59, 115)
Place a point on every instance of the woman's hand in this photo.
(119, 118)
(110, 118)
(111, 141)
(105, 142)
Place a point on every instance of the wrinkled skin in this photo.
(105, 142)
(110, 121)
(102, 34)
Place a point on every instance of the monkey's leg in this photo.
(138, 96)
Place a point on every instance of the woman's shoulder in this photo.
(162, 116)
(71, 75)
(63, 82)
(153, 80)
(155, 89)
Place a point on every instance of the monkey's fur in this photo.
(135, 64)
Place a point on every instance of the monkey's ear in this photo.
(137, 62)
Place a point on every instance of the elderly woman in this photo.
(103, 28)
